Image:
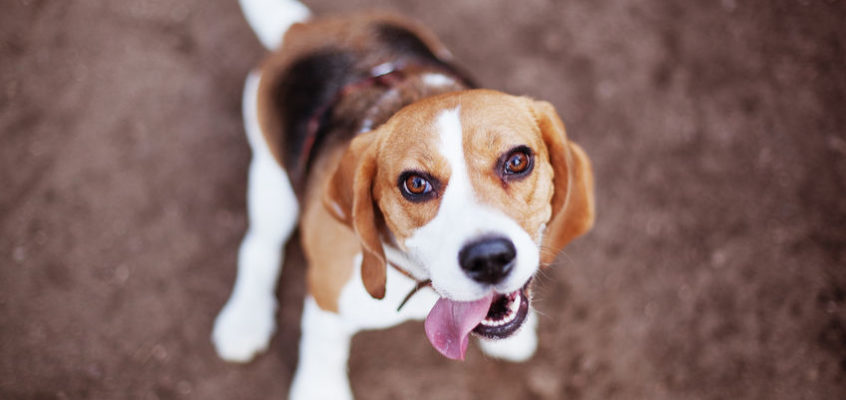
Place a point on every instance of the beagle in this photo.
(418, 196)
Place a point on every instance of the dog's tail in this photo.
(270, 19)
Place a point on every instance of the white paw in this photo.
(517, 348)
(244, 327)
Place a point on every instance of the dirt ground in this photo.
(716, 270)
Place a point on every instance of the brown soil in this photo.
(717, 269)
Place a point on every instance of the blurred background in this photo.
(716, 270)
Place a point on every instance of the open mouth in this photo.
(494, 316)
(506, 314)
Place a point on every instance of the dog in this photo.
(417, 194)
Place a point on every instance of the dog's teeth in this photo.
(510, 314)
(513, 307)
(515, 304)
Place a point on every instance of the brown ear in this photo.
(349, 198)
(572, 202)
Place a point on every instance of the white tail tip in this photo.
(270, 19)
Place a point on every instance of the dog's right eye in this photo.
(417, 186)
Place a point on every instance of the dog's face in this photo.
(460, 182)
(473, 190)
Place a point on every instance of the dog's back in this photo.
(303, 97)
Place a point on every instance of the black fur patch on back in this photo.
(404, 42)
(305, 89)
(408, 46)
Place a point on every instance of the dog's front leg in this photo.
(247, 321)
(324, 350)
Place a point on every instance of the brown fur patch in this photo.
(409, 144)
(329, 271)
(572, 203)
(493, 125)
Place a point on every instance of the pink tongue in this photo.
(450, 322)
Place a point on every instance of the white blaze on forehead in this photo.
(462, 219)
(452, 148)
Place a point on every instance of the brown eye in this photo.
(417, 186)
(517, 163)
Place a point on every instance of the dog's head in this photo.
(474, 190)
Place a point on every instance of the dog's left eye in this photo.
(517, 163)
(417, 186)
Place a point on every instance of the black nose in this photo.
(488, 260)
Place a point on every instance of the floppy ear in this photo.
(349, 198)
(572, 202)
